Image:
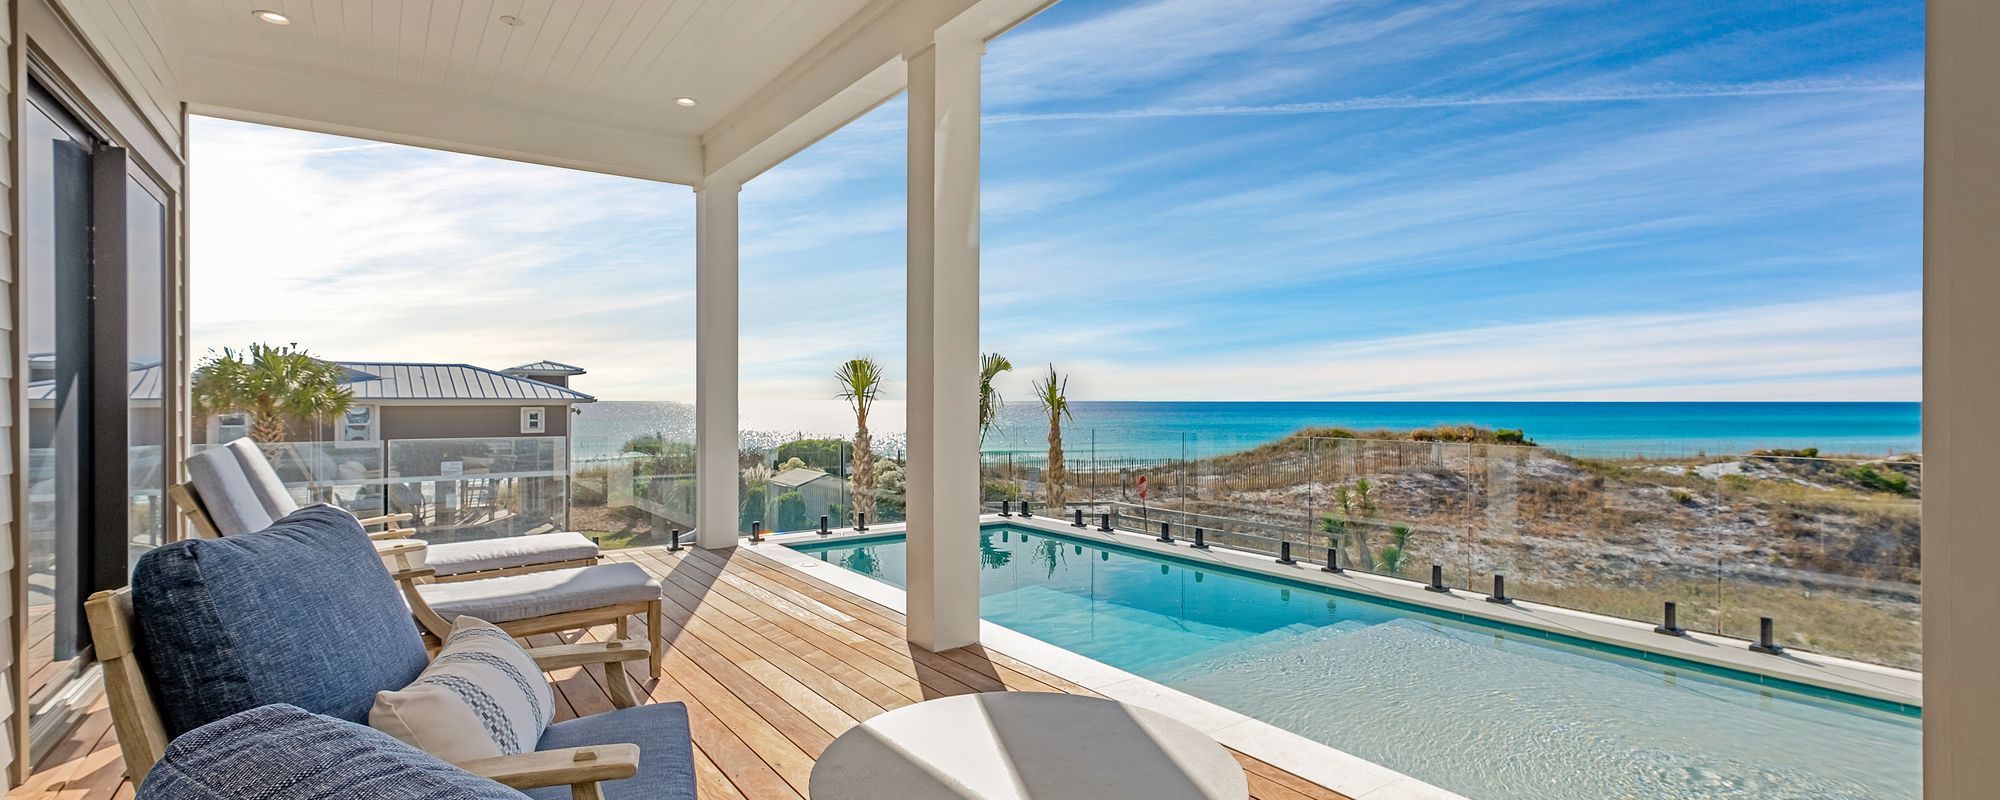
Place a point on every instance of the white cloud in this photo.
(363, 251)
(1863, 347)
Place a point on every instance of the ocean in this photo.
(1144, 430)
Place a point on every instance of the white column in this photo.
(1961, 399)
(715, 364)
(943, 476)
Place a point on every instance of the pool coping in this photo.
(1356, 777)
(1899, 689)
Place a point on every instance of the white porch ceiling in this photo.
(597, 69)
(587, 84)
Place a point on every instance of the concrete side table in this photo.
(1021, 745)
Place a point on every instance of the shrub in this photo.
(753, 507)
(826, 455)
(1878, 480)
(790, 511)
(997, 490)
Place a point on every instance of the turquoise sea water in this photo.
(1159, 430)
(1490, 713)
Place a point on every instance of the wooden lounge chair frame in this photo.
(619, 615)
(142, 731)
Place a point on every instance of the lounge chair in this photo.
(546, 601)
(233, 489)
(304, 614)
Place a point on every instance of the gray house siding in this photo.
(467, 421)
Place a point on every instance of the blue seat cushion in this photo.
(666, 751)
(281, 752)
(302, 612)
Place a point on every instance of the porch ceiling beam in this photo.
(854, 69)
(437, 120)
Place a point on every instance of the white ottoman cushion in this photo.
(540, 594)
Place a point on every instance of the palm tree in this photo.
(1390, 560)
(273, 386)
(860, 383)
(990, 367)
(1053, 393)
(1357, 502)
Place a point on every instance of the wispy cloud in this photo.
(1286, 200)
(1831, 346)
(1628, 95)
(364, 251)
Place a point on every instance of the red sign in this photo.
(1142, 487)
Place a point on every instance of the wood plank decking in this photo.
(772, 664)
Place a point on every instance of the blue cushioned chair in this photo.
(284, 752)
(304, 613)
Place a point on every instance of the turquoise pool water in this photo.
(1487, 712)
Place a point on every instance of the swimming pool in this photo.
(1481, 710)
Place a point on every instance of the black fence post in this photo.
(1024, 509)
(1104, 522)
(1437, 580)
(1167, 532)
(1765, 643)
(674, 539)
(1200, 539)
(756, 530)
(825, 521)
(1006, 508)
(1499, 594)
(1285, 553)
(860, 521)
(1332, 560)
(1671, 625)
(1079, 520)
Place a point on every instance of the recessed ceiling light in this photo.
(512, 20)
(685, 101)
(272, 17)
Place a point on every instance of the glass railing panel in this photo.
(634, 494)
(345, 474)
(462, 489)
(1825, 547)
(1610, 535)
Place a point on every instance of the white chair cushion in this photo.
(226, 492)
(540, 594)
(482, 696)
(264, 481)
(456, 558)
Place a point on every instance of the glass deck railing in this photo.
(1825, 546)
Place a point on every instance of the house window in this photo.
(358, 424)
(230, 427)
(534, 420)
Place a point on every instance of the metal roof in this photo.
(374, 380)
(544, 367)
(386, 381)
(797, 476)
(144, 380)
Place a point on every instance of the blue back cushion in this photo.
(302, 612)
(281, 752)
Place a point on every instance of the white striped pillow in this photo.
(481, 697)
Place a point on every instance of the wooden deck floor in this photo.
(772, 664)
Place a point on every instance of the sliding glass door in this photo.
(93, 307)
(56, 285)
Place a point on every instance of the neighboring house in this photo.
(821, 492)
(434, 401)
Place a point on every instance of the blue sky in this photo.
(1205, 199)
